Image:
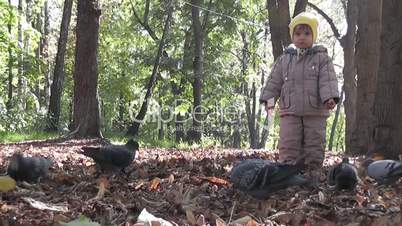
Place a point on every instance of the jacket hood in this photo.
(292, 49)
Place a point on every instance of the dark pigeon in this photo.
(28, 169)
(343, 176)
(112, 157)
(259, 178)
(383, 171)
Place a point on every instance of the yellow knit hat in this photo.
(305, 18)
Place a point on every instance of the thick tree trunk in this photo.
(196, 130)
(367, 62)
(86, 116)
(58, 77)
(349, 71)
(279, 18)
(134, 128)
(387, 127)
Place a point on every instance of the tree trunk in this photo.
(196, 130)
(279, 18)
(20, 56)
(300, 7)
(335, 122)
(387, 127)
(178, 89)
(58, 77)
(134, 128)
(349, 71)
(9, 104)
(367, 62)
(45, 54)
(86, 114)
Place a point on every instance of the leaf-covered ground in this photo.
(182, 187)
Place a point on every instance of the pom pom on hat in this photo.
(305, 18)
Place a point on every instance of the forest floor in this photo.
(183, 187)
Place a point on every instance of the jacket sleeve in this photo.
(328, 83)
(273, 85)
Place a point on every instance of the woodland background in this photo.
(191, 72)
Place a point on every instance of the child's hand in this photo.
(330, 104)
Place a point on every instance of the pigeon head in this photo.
(132, 145)
(15, 161)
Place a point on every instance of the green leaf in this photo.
(81, 221)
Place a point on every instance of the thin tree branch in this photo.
(144, 23)
(146, 13)
(328, 19)
(204, 23)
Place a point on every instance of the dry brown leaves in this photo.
(182, 187)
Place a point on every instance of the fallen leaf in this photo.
(44, 206)
(215, 180)
(252, 223)
(81, 221)
(242, 220)
(139, 185)
(103, 184)
(171, 179)
(6, 208)
(200, 220)
(220, 222)
(154, 184)
(361, 200)
(190, 217)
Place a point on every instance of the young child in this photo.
(304, 81)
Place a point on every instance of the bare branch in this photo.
(328, 19)
(144, 23)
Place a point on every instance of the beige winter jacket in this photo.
(302, 83)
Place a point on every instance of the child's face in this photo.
(302, 36)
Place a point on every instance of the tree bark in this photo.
(279, 18)
(349, 71)
(367, 62)
(196, 130)
(45, 53)
(387, 128)
(9, 104)
(20, 57)
(86, 113)
(134, 128)
(58, 77)
(300, 7)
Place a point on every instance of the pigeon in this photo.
(259, 178)
(29, 169)
(112, 157)
(385, 171)
(343, 176)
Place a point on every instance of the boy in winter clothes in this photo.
(304, 81)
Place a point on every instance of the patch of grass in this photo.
(13, 137)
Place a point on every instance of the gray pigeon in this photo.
(259, 178)
(343, 176)
(28, 169)
(383, 171)
(112, 157)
